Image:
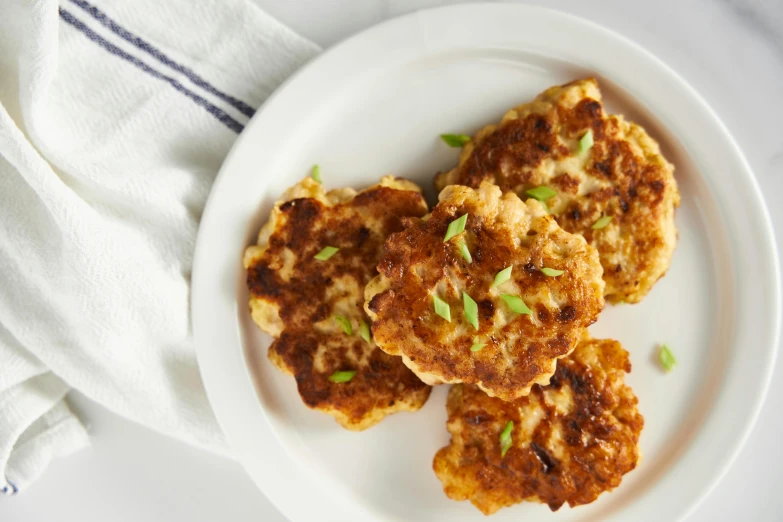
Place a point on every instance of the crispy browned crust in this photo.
(624, 175)
(572, 440)
(521, 350)
(295, 297)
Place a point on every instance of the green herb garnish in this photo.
(326, 253)
(471, 309)
(455, 140)
(586, 141)
(478, 346)
(316, 173)
(345, 376)
(601, 223)
(516, 304)
(551, 272)
(666, 357)
(364, 331)
(456, 227)
(541, 193)
(505, 439)
(502, 276)
(463, 248)
(345, 323)
(442, 308)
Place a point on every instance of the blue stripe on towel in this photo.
(14, 490)
(126, 35)
(222, 116)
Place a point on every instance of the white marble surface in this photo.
(731, 51)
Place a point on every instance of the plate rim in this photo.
(199, 309)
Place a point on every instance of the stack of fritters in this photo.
(489, 292)
(605, 179)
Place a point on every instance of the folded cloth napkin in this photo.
(114, 119)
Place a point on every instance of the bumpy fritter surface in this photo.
(571, 440)
(624, 175)
(295, 297)
(501, 231)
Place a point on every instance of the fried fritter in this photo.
(519, 350)
(623, 175)
(301, 300)
(571, 440)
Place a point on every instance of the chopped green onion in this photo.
(364, 331)
(342, 376)
(463, 248)
(471, 309)
(455, 140)
(442, 308)
(326, 253)
(586, 142)
(551, 272)
(316, 173)
(345, 323)
(541, 193)
(502, 276)
(546, 207)
(505, 439)
(667, 358)
(456, 227)
(478, 346)
(601, 223)
(516, 304)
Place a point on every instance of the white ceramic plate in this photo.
(376, 104)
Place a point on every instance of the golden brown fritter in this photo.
(624, 175)
(295, 297)
(571, 440)
(502, 231)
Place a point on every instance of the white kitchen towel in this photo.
(114, 119)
